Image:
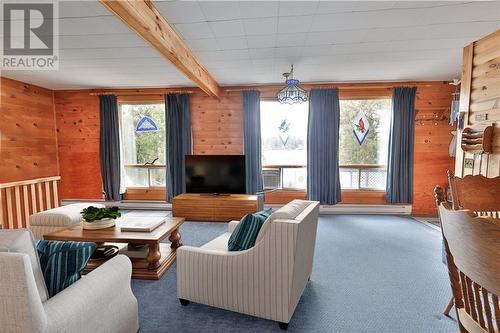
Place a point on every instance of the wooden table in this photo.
(159, 258)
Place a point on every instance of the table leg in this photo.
(154, 256)
(175, 239)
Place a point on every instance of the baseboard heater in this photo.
(324, 209)
(362, 209)
(126, 204)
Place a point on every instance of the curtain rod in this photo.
(138, 93)
(305, 85)
(308, 86)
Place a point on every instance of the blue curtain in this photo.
(252, 143)
(178, 125)
(323, 181)
(400, 165)
(109, 147)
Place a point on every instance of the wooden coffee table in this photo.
(160, 256)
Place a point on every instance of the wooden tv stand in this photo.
(206, 207)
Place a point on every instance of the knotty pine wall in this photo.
(77, 120)
(218, 129)
(28, 144)
(480, 96)
(217, 125)
(432, 141)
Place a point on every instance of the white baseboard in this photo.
(366, 209)
(361, 209)
(126, 204)
(324, 209)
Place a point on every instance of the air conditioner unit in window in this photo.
(271, 178)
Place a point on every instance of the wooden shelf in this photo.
(477, 141)
(140, 266)
(200, 207)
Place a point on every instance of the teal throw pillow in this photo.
(245, 233)
(63, 262)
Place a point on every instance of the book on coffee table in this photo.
(140, 251)
(141, 223)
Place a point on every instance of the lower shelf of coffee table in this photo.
(140, 266)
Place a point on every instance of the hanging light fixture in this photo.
(291, 93)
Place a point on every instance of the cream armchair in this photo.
(267, 280)
(101, 301)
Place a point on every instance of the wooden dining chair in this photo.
(440, 197)
(473, 253)
(476, 193)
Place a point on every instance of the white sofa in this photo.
(101, 301)
(267, 280)
(58, 218)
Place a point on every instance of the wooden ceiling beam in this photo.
(143, 18)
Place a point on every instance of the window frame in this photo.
(138, 100)
(283, 166)
(350, 96)
(365, 93)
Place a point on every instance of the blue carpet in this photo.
(371, 274)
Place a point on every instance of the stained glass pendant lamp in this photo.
(292, 93)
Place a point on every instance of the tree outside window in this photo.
(140, 149)
(364, 166)
(284, 144)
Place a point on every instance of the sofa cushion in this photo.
(288, 212)
(218, 244)
(245, 233)
(265, 226)
(63, 262)
(21, 241)
(61, 216)
(291, 210)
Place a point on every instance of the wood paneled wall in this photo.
(218, 129)
(432, 140)
(217, 125)
(77, 119)
(28, 146)
(480, 103)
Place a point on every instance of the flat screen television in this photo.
(215, 174)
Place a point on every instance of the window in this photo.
(284, 144)
(143, 148)
(364, 166)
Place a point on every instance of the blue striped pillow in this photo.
(63, 262)
(245, 233)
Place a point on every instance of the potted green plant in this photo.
(99, 218)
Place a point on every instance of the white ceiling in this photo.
(246, 42)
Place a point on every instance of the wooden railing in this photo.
(18, 200)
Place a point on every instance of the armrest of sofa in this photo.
(221, 278)
(21, 309)
(92, 301)
(232, 225)
(192, 269)
(186, 250)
